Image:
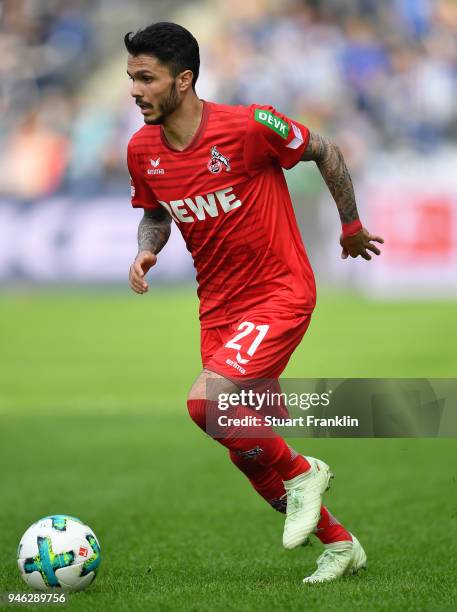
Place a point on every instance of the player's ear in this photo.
(185, 80)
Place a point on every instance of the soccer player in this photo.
(217, 172)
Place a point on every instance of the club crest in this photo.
(217, 161)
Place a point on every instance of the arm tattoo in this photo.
(332, 166)
(154, 230)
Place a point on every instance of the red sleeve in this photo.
(142, 195)
(271, 136)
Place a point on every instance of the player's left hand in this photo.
(360, 244)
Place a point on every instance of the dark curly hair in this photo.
(170, 43)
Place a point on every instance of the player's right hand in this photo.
(142, 264)
(359, 244)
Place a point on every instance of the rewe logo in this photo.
(155, 165)
(200, 207)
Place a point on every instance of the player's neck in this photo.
(180, 127)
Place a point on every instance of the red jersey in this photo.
(227, 194)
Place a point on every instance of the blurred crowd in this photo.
(372, 75)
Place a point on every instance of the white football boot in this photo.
(304, 500)
(337, 560)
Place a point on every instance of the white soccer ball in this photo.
(59, 552)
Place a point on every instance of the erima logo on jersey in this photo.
(274, 123)
(155, 167)
(200, 207)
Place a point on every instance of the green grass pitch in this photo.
(94, 424)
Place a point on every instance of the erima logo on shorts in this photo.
(274, 123)
(200, 207)
(235, 365)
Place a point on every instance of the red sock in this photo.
(290, 463)
(266, 448)
(265, 480)
(329, 530)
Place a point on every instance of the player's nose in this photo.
(135, 91)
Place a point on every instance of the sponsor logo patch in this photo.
(272, 121)
(83, 551)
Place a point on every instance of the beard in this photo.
(166, 106)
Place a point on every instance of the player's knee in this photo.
(210, 386)
(196, 402)
(198, 390)
(204, 396)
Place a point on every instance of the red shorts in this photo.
(257, 346)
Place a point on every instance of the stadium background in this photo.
(93, 378)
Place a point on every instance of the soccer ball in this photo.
(59, 552)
